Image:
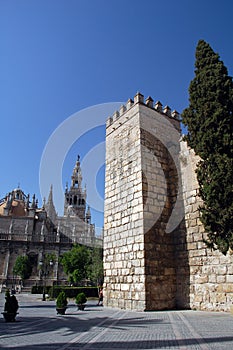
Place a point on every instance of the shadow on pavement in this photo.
(151, 344)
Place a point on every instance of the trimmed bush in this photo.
(61, 300)
(39, 289)
(80, 299)
(11, 303)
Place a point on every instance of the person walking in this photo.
(100, 302)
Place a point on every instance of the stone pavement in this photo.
(39, 327)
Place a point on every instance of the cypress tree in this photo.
(209, 119)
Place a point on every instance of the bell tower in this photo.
(75, 196)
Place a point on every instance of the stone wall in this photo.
(14, 225)
(154, 254)
(211, 273)
(124, 240)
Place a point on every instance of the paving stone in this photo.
(38, 327)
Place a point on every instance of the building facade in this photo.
(36, 232)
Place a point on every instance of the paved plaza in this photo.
(39, 327)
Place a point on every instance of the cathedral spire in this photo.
(33, 205)
(50, 197)
(77, 175)
(49, 206)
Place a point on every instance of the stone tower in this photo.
(143, 207)
(75, 197)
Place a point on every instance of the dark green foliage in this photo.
(82, 263)
(61, 300)
(39, 289)
(80, 299)
(209, 119)
(209, 115)
(95, 269)
(11, 303)
(22, 267)
(71, 292)
(215, 180)
(75, 263)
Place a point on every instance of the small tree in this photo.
(209, 119)
(61, 303)
(81, 298)
(75, 263)
(61, 300)
(22, 267)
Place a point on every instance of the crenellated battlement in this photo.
(149, 102)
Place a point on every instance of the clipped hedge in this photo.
(39, 289)
(71, 292)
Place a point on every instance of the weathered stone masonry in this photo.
(211, 273)
(154, 255)
(141, 188)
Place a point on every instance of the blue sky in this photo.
(59, 57)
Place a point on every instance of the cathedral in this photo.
(27, 230)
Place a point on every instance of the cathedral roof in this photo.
(16, 204)
(17, 208)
